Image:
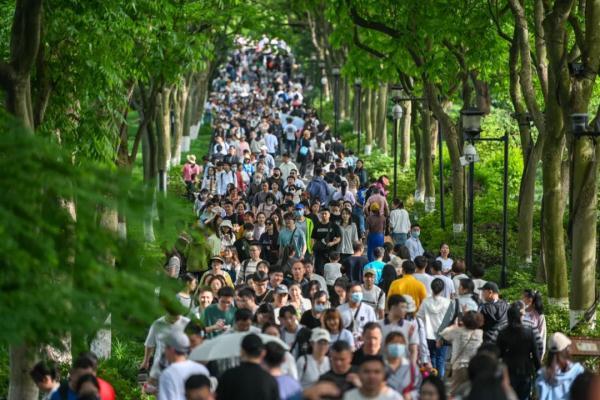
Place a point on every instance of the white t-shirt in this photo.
(158, 331)
(404, 328)
(172, 380)
(332, 272)
(449, 289)
(374, 297)
(386, 394)
(309, 371)
(425, 279)
(360, 316)
(446, 264)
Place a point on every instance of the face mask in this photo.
(298, 213)
(396, 350)
(415, 234)
(356, 297)
(248, 235)
(269, 202)
(319, 308)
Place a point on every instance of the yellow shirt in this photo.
(409, 285)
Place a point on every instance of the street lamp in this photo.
(580, 127)
(335, 71)
(471, 125)
(357, 96)
(397, 112)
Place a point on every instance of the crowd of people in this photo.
(330, 290)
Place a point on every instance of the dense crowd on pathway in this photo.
(316, 286)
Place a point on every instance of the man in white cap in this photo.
(172, 380)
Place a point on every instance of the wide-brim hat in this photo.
(191, 158)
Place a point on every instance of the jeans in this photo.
(438, 357)
(399, 238)
(290, 146)
(374, 240)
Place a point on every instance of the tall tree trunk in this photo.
(381, 122)
(405, 135)
(22, 358)
(427, 161)
(163, 128)
(419, 167)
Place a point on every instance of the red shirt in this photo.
(106, 390)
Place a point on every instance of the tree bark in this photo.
(405, 135)
(367, 119)
(419, 167)
(427, 161)
(381, 119)
(22, 358)
(163, 126)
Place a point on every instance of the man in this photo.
(224, 178)
(415, 248)
(46, 378)
(261, 290)
(269, 160)
(197, 387)
(355, 314)
(84, 364)
(243, 322)
(318, 188)
(272, 143)
(231, 156)
(494, 312)
(372, 339)
(275, 178)
(396, 322)
(218, 317)
(354, 265)
(172, 380)
(275, 277)
(306, 225)
(372, 374)
(286, 166)
(248, 267)
(372, 294)
(291, 236)
(377, 198)
(260, 197)
(249, 380)
(399, 222)
(420, 275)
(298, 276)
(377, 264)
(246, 299)
(154, 345)
(408, 284)
(437, 272)
(289, 131)
(342, 372)
(312, 318)
(195, 333)
(312, 276)
(289, 327)
(325, 237)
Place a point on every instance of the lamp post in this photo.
(335, 71)
(357, 95)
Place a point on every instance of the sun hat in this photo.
(191, 158)
(558, 342)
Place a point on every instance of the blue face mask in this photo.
(396, 350)
(356, 297)
(415, 234)
(298, 213)
(319, 308)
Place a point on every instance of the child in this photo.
(333, 269)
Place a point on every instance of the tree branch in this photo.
(373, 25)
(366, 48)
(579, 35)
(496, 20)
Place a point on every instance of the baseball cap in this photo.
(411, 306)
(217, 258)
(299, 206)
(558, 342)
(490, 286)
(178, 341)
(281, 289)
(319, 334)
(369, 271)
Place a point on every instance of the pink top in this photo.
(190, 171)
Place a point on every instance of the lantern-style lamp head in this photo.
(313, 57)
(397, 111)
(357, 82)
(321, 64)
(396, 92)
(471, 123)
(335, 71)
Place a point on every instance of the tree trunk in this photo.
(163, 129)
(526, 206)
(426, 160)
(419, 168)
(381, 123)
(179, 104)
(367, 119)
(405, 135)
(22, 359)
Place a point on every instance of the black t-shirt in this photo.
(358, 357)
(328, 231)
(353, 266)
(309, 321)
(266, 297)
(339, 379)
(248, 381)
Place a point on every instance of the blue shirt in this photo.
(299, 240)
(289, 388)
(378, 267)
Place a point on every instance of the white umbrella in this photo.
(227, 345)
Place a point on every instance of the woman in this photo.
(280, 299)
(215, 282)
(205, 299)
(353, 183)
(216, 269)
(268, 207)
(277, 194)
(186, 294)
(388, 275)
(264, 315)
(312, 366)
(534, 314)
(518, 349)
(433, 388)
(361, 172)
(466, 337)
(445, 259)
(226, 234)
(313, 287)
(375, 227)
(349, 235)
(210, 181)
(260, 225)
(231, 262)
(555, 379)
(304, 152)
(268, 242)
(331, 321)
(403, 375)
(340, 291)
(300, 303)
(242, 179)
